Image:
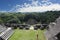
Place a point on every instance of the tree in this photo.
(16, 21)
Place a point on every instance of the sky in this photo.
(29, 5)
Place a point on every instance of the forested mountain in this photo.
(40, 17)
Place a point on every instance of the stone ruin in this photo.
(40, 26)
(53, 32)
(31, 22)
(24, 26)
(5, 33)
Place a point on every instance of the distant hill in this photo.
(40, 17)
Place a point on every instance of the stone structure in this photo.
(53, 33)
(6, 34)
(40, 26)
(2, 28)
(24, 26)
(31, 22)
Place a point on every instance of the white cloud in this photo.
(36, 6)
(45, 0)
(52, 7)
(3, 11)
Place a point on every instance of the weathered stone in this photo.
(54, 29)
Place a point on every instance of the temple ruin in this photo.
(53, 32)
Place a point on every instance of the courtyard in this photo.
(27, 35)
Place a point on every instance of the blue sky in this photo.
(8, 4)
(22, 5)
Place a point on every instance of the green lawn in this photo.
(27, 35)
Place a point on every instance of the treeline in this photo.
(43, 17)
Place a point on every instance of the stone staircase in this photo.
(6, 34)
